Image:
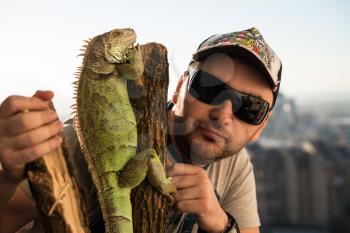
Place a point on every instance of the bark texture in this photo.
(56, 194)
(148, 96)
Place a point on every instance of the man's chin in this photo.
(203, 152)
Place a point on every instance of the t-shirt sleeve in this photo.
(240, 198)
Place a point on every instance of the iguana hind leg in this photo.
(147, 163)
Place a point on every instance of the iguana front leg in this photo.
(147, 163)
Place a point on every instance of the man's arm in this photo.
(196, 195)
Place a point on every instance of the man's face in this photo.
(203, 132)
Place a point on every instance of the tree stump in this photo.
(148, 96)
(56, 193)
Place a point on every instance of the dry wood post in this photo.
(56, 193)
(151, 210)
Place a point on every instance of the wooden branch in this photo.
(151, 210)
(56, 193)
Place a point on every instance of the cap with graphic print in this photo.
(249, 45)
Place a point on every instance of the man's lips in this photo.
(211, 133)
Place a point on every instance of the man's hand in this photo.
(28, 130)
(196, 195)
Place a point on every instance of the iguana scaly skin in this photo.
(106, 126)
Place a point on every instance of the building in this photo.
(302, 185)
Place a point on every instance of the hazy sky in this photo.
(40, 39)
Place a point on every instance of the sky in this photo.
(40, 40)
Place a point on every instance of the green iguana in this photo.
(106, 126)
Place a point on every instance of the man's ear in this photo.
(178, 87)
(257, 134)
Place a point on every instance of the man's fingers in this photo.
(23, 122)
(169, 162)
(44, 95)
(28, 155)
(185, 181)
(14, 104)
(184, 169)
(36, 136)
(189, 194)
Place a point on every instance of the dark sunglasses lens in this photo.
(211, 90)
(253, 110)
(205, 87)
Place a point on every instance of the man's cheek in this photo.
(185, 125)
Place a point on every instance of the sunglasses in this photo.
(211, 90)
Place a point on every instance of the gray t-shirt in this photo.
(232, 179)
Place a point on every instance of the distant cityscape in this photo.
(302, 169)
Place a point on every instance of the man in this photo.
(222, 102)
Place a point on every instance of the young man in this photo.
(222, 102)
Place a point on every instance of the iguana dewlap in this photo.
(106, 126)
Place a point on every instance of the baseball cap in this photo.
(249, 45)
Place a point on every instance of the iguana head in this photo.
(118, 43)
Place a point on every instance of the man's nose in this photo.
(222, 112)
